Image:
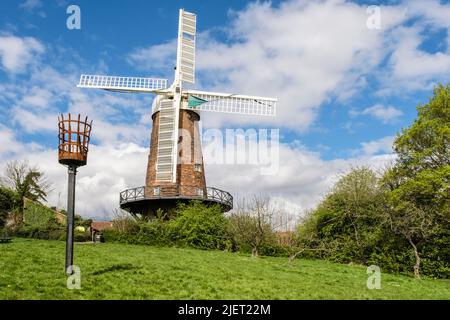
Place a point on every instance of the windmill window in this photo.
(198, 167)
(156, 191)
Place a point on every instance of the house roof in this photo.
(101, 225)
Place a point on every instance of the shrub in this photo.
(112, 235)
(8, 201)
(36, 214)
(49, 231)
(352, 224)
(81, 236)
(199, 226)
(276, 250)
(154, 232)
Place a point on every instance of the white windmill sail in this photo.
(185, 70)
(167, 156)
(231, 103)
(126, 84)
(167, 143)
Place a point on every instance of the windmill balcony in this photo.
(212, 195)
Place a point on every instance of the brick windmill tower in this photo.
(175, 170)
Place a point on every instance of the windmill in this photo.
(177, 110)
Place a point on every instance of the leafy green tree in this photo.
(27, 182)
(420, 180)
(198, 225)
(426, 143)
(401, 221)
(8, 202)
(349, 224)
(37, 215)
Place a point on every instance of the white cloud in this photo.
(33, 122)
(17, 53)
(158, 58)
(290, 53)
(308, 53)
(7, 141)
(387, 114)
(31, 4)
(34, 104)
(433, 12)
(29, 107)
(409, 62)
(38, 97)
(110, 169)
(410, 68)
(302, 180)
(383, 145)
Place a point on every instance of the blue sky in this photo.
(344, 90)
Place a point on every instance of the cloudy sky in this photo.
(345, 87)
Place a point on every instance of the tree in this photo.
(252, 223)
(348, 225)
(426, 143)
(420, 180)
(8, 202)
(357, 191)
(198, 225)
(27, 182)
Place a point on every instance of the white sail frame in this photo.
(185, 69)
(233, 103)
(126, 84)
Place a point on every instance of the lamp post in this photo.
(74, 137)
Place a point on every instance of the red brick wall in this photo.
(189, 153)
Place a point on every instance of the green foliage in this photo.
(40, 223)
(27, 182)
(80, 222)
(420, 183)
(36, 214)
(112, 235)
(138, 231)
(426, 143)
(49, 230)
(155, 232)
(195, 225)
(198, 226)
(81, 236)
(9, 200)
(353, 224)
(349, 223)
(273, 249)
(401, 221)
(245, 230)
(251, 225)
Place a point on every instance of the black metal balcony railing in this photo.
(162, 192)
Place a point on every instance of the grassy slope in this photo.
(34, 269)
